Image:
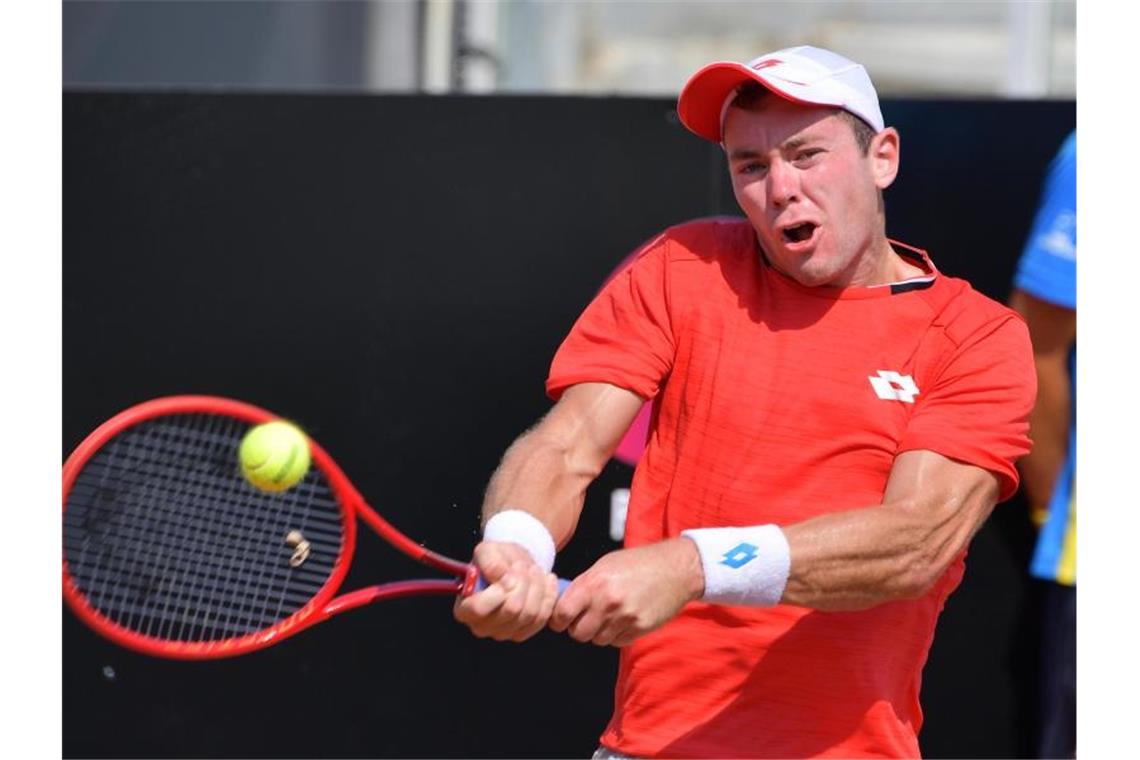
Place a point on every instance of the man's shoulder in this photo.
(963, 312)
(707, 240)
(711, 237)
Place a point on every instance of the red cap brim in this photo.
(702, 99)
(701, 103)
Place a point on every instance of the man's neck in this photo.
(884, 266)
(901, 268)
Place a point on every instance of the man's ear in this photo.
(884, 155)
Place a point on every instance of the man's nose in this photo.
(783, 184)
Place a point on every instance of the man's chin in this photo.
(816, 282)
(813, 274)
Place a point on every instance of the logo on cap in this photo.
(767, 63)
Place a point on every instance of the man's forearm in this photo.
(858, 558)
(547, 470)
(538, 476)
(1049, 430)
(1053, 330)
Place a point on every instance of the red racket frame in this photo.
(323, 605)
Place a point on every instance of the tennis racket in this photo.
(169, 551)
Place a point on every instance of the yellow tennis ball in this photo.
(274, 456)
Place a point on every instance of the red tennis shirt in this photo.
(776, 402)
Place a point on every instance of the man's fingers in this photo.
(493, 560)
(626, 637)
(475, 610)
(504, 621)
(525, 608)
(568, 608)
(551, 597)
(513, 604)
(538, 605)
(612, 632)
(586, 626)
(577, 612)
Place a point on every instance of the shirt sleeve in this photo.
(1048, 266)
(624, 337)
(978, 410)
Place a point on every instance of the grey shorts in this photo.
(605, 753)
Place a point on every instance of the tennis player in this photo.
(833, 420)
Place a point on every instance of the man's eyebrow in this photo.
(795, 142)
(739, 154)
(742, 153)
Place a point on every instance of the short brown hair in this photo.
(750, 95)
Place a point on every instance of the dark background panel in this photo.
(395, 273)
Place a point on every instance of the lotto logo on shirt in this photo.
(739, 556)
(891, 386)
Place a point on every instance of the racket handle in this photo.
(481, 584)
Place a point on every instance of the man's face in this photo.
(809, 191)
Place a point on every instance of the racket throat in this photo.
(371, 594)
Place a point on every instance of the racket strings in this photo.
(164, 536)
(162, 562)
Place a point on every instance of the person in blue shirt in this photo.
(1045, 295)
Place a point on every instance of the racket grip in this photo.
(481, 584)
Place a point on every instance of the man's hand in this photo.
(518, 599)
(628, 593)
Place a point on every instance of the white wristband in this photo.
(743, 566)
(526, 530)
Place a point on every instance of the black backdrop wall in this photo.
(395, 273)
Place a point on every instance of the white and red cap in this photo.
(804, 74)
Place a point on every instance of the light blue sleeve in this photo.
(1048, 266)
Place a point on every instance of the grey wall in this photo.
(300, 44)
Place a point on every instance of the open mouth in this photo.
(799, 233)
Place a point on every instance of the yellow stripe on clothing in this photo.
(1067, 567)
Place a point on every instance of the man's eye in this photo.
(807, 155)
(752, 167)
